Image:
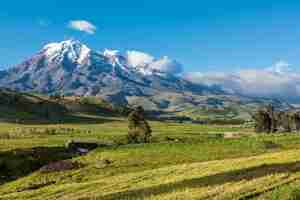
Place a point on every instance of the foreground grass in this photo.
(227, 179)
(198, 164)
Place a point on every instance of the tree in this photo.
(270, 121)
(139, 129)
(263, 122)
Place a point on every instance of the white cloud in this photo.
(83, 25)
(280, 67)
(136, 58)
(148, 62)
(276, 81)
(166, 65)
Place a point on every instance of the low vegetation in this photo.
(88, 157)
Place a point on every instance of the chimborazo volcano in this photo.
(71, 68)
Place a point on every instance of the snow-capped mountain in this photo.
(70, 49)
(135, 78)
(70, 67)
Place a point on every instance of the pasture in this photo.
(183, 161)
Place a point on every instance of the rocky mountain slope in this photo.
(71, 68)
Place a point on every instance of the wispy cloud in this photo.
(82, 25)
(278, 81)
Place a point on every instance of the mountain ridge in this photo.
(134, 78)
(60, 66)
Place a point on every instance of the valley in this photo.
(149, 100)
(202, 140)
(183, 161)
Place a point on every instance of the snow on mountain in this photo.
(111, 53)
(116, 59)
(134, 77)
(70, 67)
(141, 62)
(72, 49)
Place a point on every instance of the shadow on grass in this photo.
(217, 179)
(68, 119)
(75, 119)
(21, 162)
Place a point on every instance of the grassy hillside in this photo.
(185, 161)
(205, 108)
(29, 107)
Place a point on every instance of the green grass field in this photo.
(184, 161)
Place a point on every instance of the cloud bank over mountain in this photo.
(278, 81)
(164, 64)
(167, 65)
(137, 58)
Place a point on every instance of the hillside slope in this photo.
(31, 107)
(184, 161)
(242, 178)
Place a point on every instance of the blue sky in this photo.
(222, 35)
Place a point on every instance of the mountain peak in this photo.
(70, 67)
(65, 43)
(72, 49)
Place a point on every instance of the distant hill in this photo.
(26, 107)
